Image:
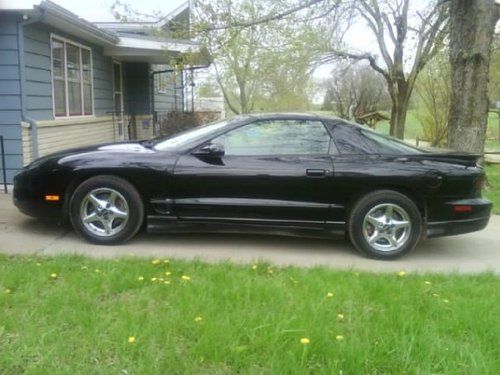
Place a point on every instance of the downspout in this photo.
(22, 79)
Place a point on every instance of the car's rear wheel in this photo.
(106, 210)
(385, 224)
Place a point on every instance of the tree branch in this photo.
(267, 18)
(377, 27)
(364, 56)
(224, 91)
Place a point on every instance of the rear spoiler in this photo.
(468, 160)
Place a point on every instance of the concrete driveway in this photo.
(474, 252)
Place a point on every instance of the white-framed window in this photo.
(72, 84)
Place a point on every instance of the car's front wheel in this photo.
(385, 224)
(106, 210)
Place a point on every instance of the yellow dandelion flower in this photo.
(140, 278)
(198, 319)
(340, 316)
(339, 338)
(186, 278)
(401, 273)
(131, 340)
(97, 270)
(269, 271)
(329, 295)
(254, 267)
(155, 261)
(305, 341)
(427, 283)
(153, 279)
(435, 295)
(446, 301)
(53, 275)
(168, 273)
(166, 282)
(8, 291)
(166, 261)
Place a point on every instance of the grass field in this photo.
(413, 127)
(75, 315)
(492, 192)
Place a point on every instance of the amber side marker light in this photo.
(52, 198)
(462, 208)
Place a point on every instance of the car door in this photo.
(266, 172)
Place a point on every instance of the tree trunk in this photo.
(398, 119)
(400, 101)
(472, 24)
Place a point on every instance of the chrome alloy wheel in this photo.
(104, 212)
(387, 227)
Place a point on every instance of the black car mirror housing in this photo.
(211, 149)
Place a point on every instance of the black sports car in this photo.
(288, 173)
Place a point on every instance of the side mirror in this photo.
(211, 149)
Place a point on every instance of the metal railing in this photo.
(4, 166)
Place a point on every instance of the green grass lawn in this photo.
(227, 318)
(492, 191)
(413, 127)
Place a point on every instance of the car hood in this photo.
(118, 147)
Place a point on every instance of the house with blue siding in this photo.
(66, 82)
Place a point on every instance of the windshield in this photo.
(190, 135)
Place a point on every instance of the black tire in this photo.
(128, 193)
(404, 210)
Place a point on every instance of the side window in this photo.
(277, 137)
(351, 140)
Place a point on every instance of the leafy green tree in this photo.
(263, 66)
(433, 89)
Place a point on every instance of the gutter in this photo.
(64, 14)
(22, 79)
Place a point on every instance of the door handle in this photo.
(316, 172)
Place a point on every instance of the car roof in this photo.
(288, 115)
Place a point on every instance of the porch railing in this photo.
(171, 122)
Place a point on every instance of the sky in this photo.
(98, 10)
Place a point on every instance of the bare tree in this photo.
(355, 89)
(389, 22)
(471, 34)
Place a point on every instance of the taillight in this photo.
(462, 208)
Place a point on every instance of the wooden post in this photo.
(4, 167)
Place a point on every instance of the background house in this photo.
(66, 82)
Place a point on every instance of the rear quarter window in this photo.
(353, 139)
